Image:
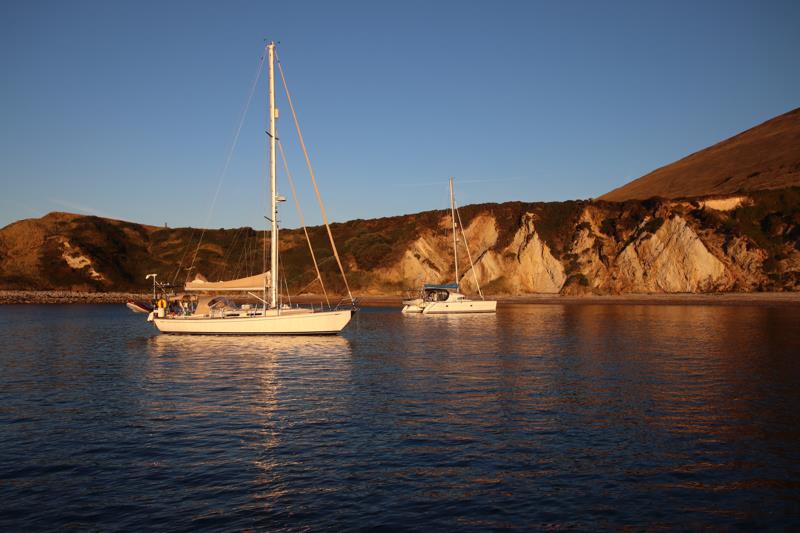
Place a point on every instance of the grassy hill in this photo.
(766, 156)
(519, 247)
(658, 233)
(79, 252)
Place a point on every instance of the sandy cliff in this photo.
(726, 218)
(668, 247)
(737, 243)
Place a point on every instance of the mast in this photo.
(453, 216)
(273, 112)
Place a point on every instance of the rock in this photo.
(673, 259)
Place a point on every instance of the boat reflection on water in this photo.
(252, 368)
(259, 372)
(454, 323)
(586, 416)
(246, 346)
(410, 340)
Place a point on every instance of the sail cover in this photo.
(250, 283)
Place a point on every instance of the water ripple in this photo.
(586, 417)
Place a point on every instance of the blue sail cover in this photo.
(449, 286)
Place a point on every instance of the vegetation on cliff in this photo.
(654, 245)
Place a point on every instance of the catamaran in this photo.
(219, 316)
(436, 299)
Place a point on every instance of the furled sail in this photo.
(250, 283)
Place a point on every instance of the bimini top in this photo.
(449, 286)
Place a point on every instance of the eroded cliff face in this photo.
(523, 266)
(738, 243)
(668, 247)
(526, 265)
(429, 258)
(671, 259)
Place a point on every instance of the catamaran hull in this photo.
(321, 323)
(471, 306)
(413, 306)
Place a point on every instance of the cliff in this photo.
(726, 218)
(746, 242)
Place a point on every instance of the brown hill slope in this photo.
(745, 243)
(764, 157)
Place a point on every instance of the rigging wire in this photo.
(224, 266)
(314, 181)
(466, 245)
(307, 285)
(242, 259)
(302, 221)
(246, 263)
(230, 155)
(286, 284)
(186, 248)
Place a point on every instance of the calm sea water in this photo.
(585, 416)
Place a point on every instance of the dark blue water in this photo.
(546, 416)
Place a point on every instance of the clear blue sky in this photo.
(127, 109)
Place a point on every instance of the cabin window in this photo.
(436, 295)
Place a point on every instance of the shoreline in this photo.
(69, 297)
(8, 297)
(724, 298)
(716, 298)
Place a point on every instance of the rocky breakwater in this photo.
(68, 297)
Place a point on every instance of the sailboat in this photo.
(215, 316)
(445, 298)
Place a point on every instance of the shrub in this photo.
(609, 227)
(653, 225)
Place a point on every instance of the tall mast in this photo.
(453, 216)
(273, 112)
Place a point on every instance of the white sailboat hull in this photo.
(284, 323)
(461, 306)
